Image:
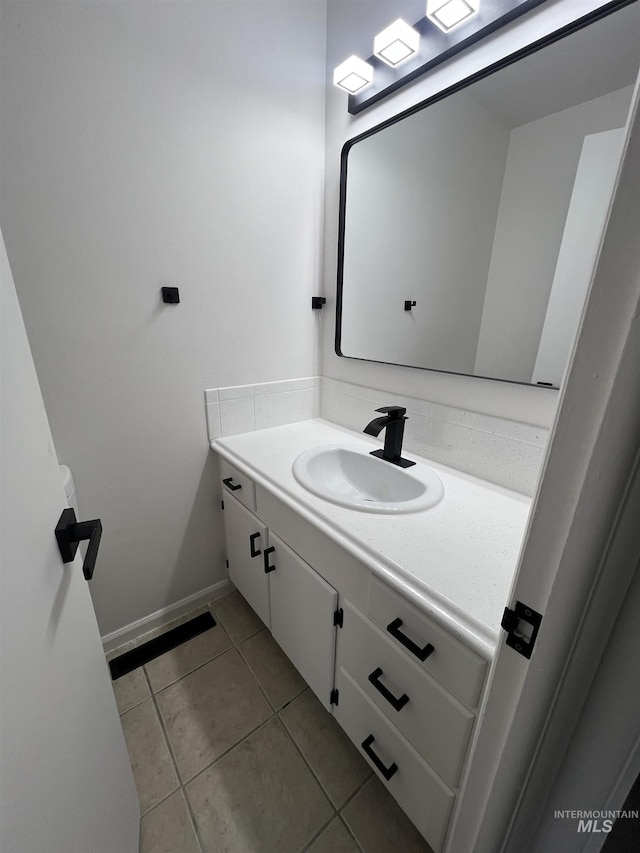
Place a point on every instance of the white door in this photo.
(66, 785)
(580, 552)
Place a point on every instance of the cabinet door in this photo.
(302, 608)
(246, 540)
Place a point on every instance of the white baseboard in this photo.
(165, 614)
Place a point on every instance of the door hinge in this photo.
(338, 617)
(334, 697)
(522, 625)
(222, 504)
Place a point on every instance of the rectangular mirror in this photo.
(469, 225)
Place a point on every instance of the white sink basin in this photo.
(351, 477)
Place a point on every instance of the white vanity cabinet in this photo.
(293, 600)
(404, 689)
(411, 729)
(433, 720)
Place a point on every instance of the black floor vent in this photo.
(129, 661)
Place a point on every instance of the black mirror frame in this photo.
(534, 47)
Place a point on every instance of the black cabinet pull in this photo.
(69, 534)
(228, 481)
(394, 629)
(267, 567)
(252, 545)
(397, 703)
(387, 772)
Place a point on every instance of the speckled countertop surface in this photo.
(455, 561)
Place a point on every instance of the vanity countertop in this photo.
(455, 561)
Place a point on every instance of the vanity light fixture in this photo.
(448, 27)
(397, 43)
(447, 14)
(353, 75)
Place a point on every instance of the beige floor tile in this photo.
(259, 798)
(172, 665)
(237, 618)
(331, 755)
(335, 839)
(379, 823)
(130, 690)
(168, 828)
(153, 770)
(278, 677)
(210, 710)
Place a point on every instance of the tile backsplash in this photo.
(505, 452)
(245, 408)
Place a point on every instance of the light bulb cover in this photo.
(397, 43)
(353, 74)
(448, 14)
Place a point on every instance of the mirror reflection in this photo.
(469, 228)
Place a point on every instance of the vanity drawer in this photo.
(452, 663)
(430, 718)
(416, 787)
(238, 484)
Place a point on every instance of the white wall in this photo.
(538, 182)
(352, 24)
(408, 236)
(588, 210)
(148, 144)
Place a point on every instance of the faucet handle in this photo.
(395, 412)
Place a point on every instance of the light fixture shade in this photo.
(447, 14)
(353, 74)
(397, 43)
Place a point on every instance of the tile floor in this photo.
(232, 753)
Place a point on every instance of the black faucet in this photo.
(393, 421)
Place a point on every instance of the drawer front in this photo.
(237, 484)
(417, 789)
(452, 663)
(431, 719)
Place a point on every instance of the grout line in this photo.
(255, 678)
(248, 665)
(227, 751)
(160, 802)
(190, 779)
(175, 765)
(191, 671)
(351, 834)
(346, 803)
(275, 713)
(237, 643)
(221, 623)
(333, 817)
(355, 793)
(304, 758)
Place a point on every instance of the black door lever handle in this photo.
(70, 532)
